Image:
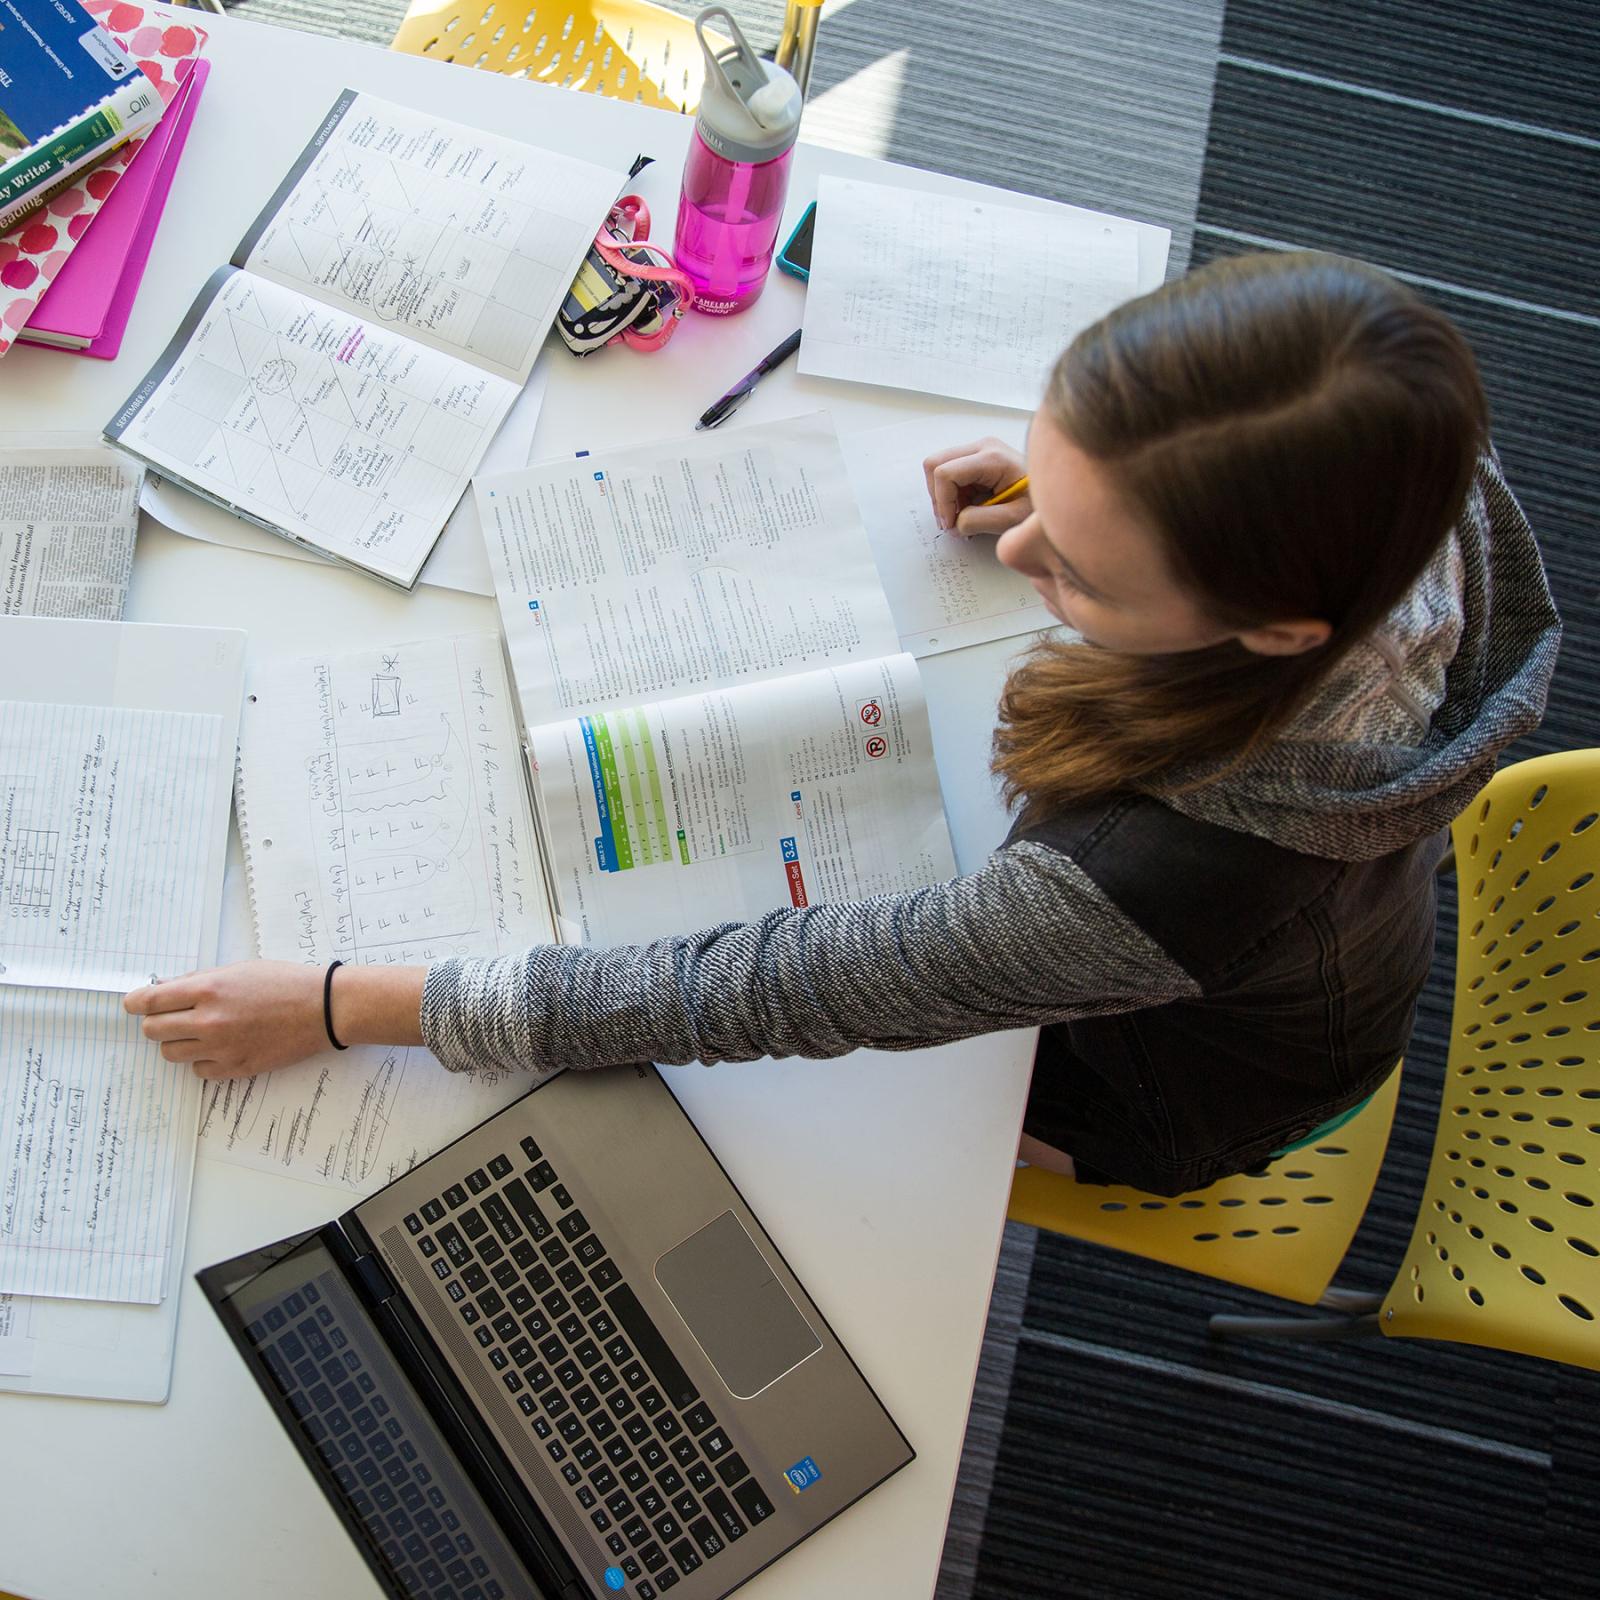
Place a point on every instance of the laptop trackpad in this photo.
(720, 1284)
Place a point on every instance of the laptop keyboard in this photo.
(642, 1455)
(404, 1491)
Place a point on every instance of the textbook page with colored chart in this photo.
(718, 712)
(339, 381)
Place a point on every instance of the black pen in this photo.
(740, 392)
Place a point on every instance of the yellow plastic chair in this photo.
(1282, 1231)
(1505, 1252)
(626, 49)
(1506, 1248)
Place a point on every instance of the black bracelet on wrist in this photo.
(327, 1004)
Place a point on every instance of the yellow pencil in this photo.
(1011, 493)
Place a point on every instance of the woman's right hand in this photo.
(961, 478)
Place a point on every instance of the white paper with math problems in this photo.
(950, 295)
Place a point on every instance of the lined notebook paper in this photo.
(102, 882)
(88, 1166)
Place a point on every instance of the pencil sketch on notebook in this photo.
(383, 809)
(385, 820)
(102, 885)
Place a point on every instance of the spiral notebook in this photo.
(385, 820)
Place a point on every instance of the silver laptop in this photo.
(560, 1358)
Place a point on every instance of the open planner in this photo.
(339, 380)
(116, 764)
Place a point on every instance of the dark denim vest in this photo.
(1309, 971)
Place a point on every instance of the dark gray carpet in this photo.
(1456, 144)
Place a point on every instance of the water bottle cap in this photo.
(749, 108)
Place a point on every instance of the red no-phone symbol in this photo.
(871, 713)
(877, 746)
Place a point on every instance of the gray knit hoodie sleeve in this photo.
(1029, 939)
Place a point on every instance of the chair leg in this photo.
(1353, 1302)
(1306, 1328)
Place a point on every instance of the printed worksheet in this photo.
(102, 870)
(945, 591)
(68, 520)
(465, 241)
(90, 1123)
(339, 382)
(701, 562)
(722, 806)
(384, 810)
(335, 431)
(951, 295)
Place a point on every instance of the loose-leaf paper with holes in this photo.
(339, 381)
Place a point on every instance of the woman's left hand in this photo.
(232, 1022)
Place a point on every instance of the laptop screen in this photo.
(423, 1527)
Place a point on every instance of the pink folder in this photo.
(86, 309)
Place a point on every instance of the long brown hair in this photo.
(1299, 432)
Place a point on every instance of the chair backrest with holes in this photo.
(625, 49)
(1283, 1230)
(1506, 1251)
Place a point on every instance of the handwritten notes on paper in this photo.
(89, 1120)
(945, 591)
(68, 519)
(341, 432)
(385, 820)
(457, 237)
(102, 873)
(950, 295)
(357, 1120)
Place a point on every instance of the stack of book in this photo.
(96, 99)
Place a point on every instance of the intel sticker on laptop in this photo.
(802, 1474)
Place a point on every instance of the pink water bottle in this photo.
(737, 172)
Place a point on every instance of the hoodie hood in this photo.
(1406, 728)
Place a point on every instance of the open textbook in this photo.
(339, 381)
(711, 683)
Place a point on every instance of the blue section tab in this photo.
(791, 851)
(802, 1474)
(605, 847)
(795, 796)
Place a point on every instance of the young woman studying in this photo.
(1305, 614)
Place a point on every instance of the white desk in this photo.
(883, 1177)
